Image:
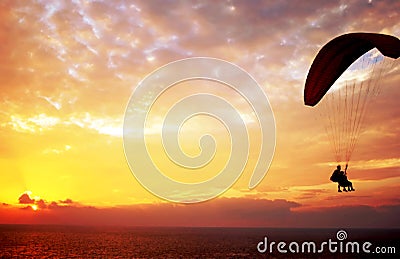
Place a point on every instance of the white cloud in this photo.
(41, 122)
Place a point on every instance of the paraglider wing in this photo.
(338, 54)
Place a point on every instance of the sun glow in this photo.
(34, 207)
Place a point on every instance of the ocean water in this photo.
(48, 241)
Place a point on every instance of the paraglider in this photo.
(346, 75)
(338, 54)
(340, 177)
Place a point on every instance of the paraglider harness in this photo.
(336, 176)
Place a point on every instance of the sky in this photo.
(68, 69)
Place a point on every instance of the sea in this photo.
(54, 241)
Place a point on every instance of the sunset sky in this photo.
(68, 69)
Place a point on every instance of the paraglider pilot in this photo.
(341, 178)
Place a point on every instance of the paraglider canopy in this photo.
(338, 54)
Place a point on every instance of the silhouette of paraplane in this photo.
(341, 178)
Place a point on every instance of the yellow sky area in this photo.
(80, 157)
(189, 142)
(193, 129)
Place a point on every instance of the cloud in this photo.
(357, 216)
(66, 201)
(223, 212)
(311, 193)
(25, 199)
(43, 204)
(38, 124)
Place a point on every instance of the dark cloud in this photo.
(224, 212)
(350, 216)
(66, 201)
(25, 199)
(53, 205)
(347, 197)
(43, 204)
